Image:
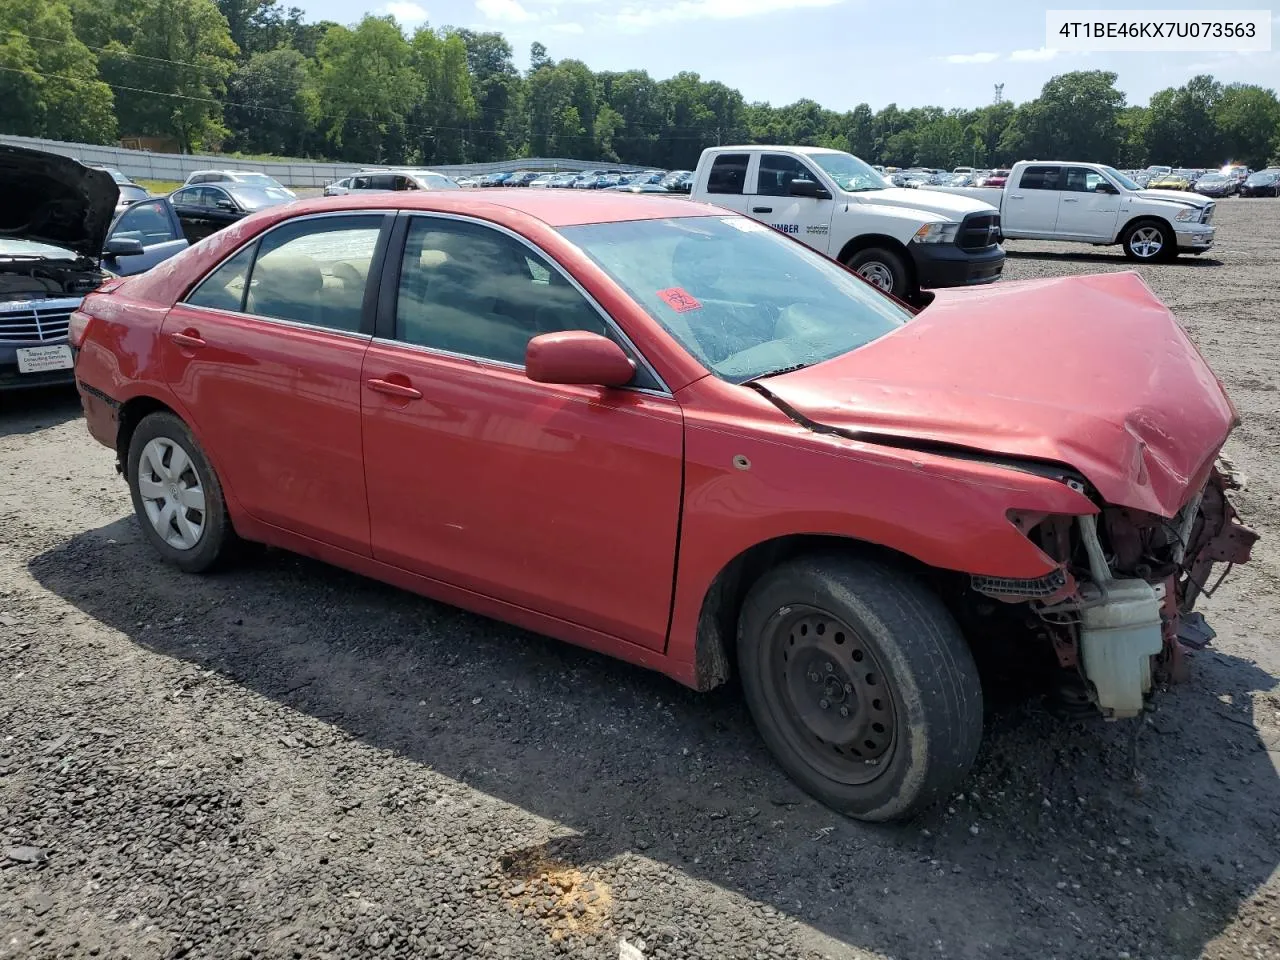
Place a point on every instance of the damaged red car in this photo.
(671, 434)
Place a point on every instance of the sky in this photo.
(837, 52)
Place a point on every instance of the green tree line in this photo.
(251, 76)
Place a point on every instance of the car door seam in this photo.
(675, 559)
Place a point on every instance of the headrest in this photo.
(287, 278)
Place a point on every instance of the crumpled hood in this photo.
(1092, 371)
(53, 199)
(944, 204)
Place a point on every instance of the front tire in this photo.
(1149, 241)
(861, 685)
(177, 496)
(881, 268)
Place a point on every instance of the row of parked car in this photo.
(1231, 180)
(1228, 181)
(379, 180)
(959, 177)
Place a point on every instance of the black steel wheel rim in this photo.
(829, 695)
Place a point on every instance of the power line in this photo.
(111, 52)
(224, 103)
(491, 111)
(280, 110)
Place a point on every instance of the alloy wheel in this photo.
(1146, 242)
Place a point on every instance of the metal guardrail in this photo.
(145, 165)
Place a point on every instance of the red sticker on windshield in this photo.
(679, 299)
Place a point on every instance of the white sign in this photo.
(43, 359)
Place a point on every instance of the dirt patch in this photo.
(563, 899)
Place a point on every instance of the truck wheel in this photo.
(881, 268)
(177, 496)
(861, 685)
(1149, 241)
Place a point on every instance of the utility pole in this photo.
(999, 97)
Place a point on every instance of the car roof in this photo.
(554, 208)
(774, 146)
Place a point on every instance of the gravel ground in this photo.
(290, 761)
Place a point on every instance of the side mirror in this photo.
(123, 247)
(1105, 188)
(577, 356)
(224, 204)
(808, 188)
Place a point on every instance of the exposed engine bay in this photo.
(45, 278)
(1119, 610)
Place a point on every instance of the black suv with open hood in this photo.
(54, 217)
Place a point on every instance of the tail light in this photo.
(77, 327)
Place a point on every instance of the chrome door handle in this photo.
(393, 389)
(190, 339)
(1015, 196)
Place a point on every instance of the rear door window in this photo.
(190, 197)
(728, 173)
(224, 289)
(315, 271)
(1041, 178)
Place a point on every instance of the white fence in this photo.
(144, 165)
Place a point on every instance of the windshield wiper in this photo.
(775, 373)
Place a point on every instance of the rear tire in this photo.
(177, 496)
(883, 269)
(861, 685)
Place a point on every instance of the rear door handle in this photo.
(1070, 200)
(762, 209)
(393, 389)
(190, 339)
(1015, 196)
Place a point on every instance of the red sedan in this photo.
(664, 431)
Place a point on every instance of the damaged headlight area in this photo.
(1119, 608)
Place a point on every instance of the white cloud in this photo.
(972, 57)
(1033, 56)
(406, 11)
(566, 28)
(685, 10)
(507, 11)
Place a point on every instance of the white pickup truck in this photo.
(899, 240)
(1094, 203)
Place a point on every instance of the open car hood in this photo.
(53, 199)
(1092, 372)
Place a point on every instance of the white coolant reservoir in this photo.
(1120, 632)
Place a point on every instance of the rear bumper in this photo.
(946, 265)
(101, 414)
